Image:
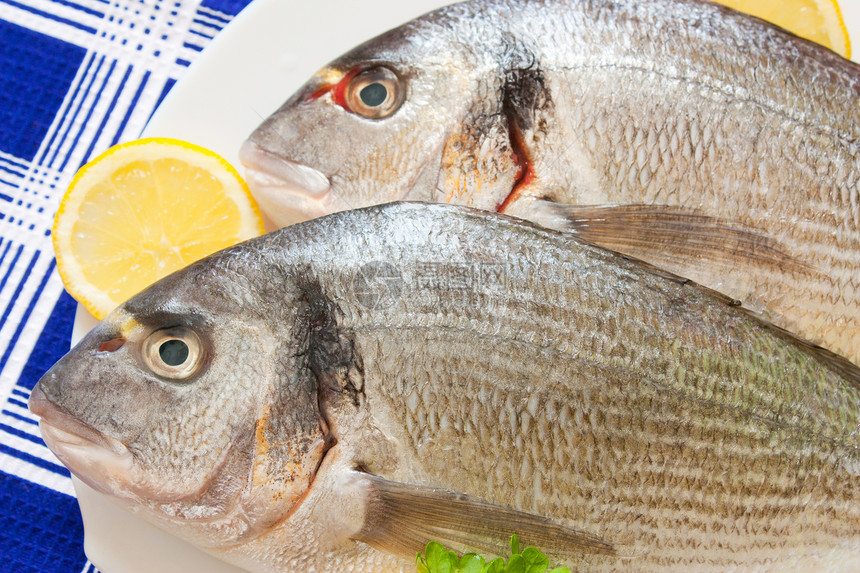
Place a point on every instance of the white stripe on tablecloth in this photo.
(36, 474)
(21, 346)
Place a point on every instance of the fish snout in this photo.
(56, 422)
(98, 460)
(38, 403)
(288, 192)
(47, 410)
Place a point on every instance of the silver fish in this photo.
(332, 396)
(701, 140)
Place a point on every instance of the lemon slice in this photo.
(142, 210)
(816, 20)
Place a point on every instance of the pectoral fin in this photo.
(403, 518)
(668, 237)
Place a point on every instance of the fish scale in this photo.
(744, 138)
(611, 474)
(747, 366)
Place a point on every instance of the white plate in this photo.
(260, 59)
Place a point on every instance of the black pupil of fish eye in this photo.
(173, 352)
(373, 95)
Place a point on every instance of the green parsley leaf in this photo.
(536, 562)
(437, 559)
(471, 563)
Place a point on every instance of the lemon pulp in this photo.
(142, 210)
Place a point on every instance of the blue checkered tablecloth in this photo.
(75, 78)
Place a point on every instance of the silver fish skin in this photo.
(706, 142)
(360, 384)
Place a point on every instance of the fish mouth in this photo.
(101, 462)
(287, 192)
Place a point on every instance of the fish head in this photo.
(191, 406)
(414, 114)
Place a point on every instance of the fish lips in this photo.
(101, 462)
(288, 192)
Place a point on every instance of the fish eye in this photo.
(374, 93)
(173, 352)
